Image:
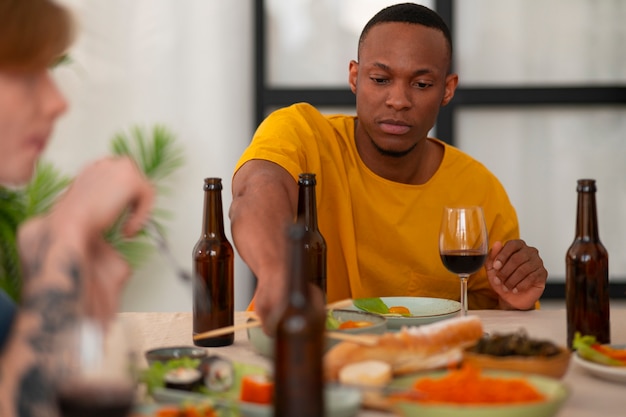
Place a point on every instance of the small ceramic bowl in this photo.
(264, 345)
(164, 354)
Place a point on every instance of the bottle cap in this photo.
(586, 186)
(307, 178)
(212, 184)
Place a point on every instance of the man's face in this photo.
(29, 105)
(400, 82)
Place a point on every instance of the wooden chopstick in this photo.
(228, 329)
(361, 339)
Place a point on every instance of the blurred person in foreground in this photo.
(69, 270)
(382, 182)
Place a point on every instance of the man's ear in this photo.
(452, 80)
(353, 73)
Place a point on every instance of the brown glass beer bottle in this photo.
(299, 343)
(587, 272)
(314, 243)
(213, 267)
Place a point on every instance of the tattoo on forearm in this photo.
(57, 308)
(38, 402)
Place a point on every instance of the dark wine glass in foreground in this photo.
(94, 370)
(463, 244)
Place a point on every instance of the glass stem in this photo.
(464, 278)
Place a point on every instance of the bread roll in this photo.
(411, 349)
(366, 373)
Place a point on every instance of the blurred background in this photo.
(541, 102)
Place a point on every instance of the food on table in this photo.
(333, 323)
(213, 372)
(401, 310)
(187, 410)
(468, 385)
(588, 348)
(354, 324)
(183, 378)
(369, 373)
(514, 344)
(154, 376)
(518, 352)
(377, 306)
(257, 389)
(410, 350)
(218, 373)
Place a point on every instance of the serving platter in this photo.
(606, 372)
(424, 310)
(340, 401)
(555, 391)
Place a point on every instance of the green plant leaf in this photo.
(156, 153)
(372, 305)
(43, 190)
(157, 158)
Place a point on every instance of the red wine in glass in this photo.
(463, 244)
(95, 400)
(463, 261)
(94, 369)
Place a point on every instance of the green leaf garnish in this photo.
(583, 344)
(372, 305)
(331, 322)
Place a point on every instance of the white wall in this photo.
(186, 64)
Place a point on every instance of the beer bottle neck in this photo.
(213, 222)
(307, 204)
(586, 216)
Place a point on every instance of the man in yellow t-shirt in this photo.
(381, 182)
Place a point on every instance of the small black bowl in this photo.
(165, 354)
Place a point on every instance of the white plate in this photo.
(610, 373)
(340, 402)
(423, 310)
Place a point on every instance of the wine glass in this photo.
(94, 370)
(463, 244)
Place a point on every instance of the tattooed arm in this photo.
(69, 270)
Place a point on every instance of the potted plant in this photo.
(156, 153)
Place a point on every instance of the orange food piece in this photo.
(168, 412)
(354, 324)
(256, 389)
(618, 354)
(400, 310)
(186, 411)
(468, 386)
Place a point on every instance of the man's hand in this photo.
(516, 273)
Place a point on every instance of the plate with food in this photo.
(410, 350)
(471, 392)
(518, 351)
(604, 361)
(351, 322)
(408, 311)
(217, 384)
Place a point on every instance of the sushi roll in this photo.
(218, 373)
(182, 378)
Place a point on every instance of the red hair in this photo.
(33, 33)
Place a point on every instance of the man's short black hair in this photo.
(409, 13)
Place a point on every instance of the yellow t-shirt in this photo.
(382, 236)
